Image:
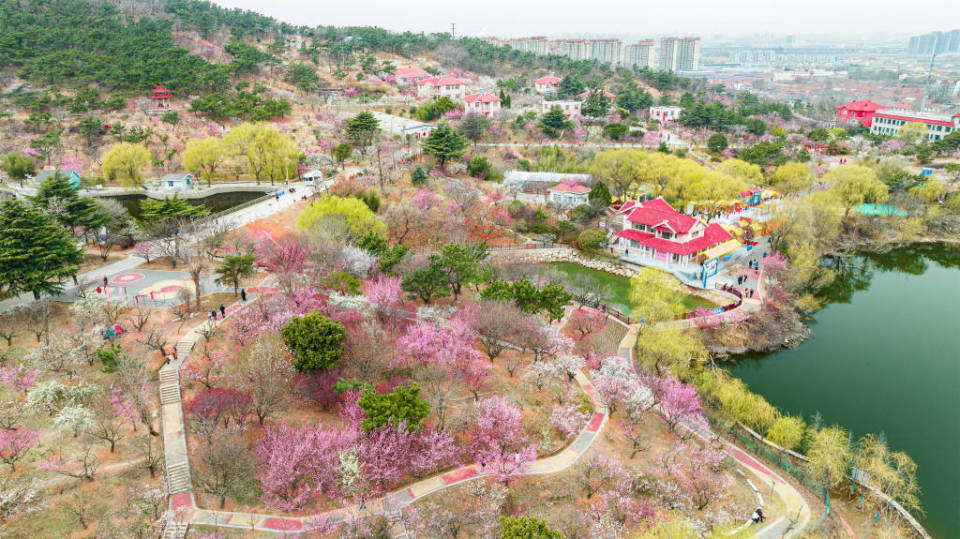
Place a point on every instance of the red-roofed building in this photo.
(548, 84)
(858, 111)
(451, 87)
(410, 75)
(482, 103)
(568, 195)
(654, 232)
(162, 97)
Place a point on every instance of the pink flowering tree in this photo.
(211, 407)
(18, 377)
(476, 375)
(387, 454)
(568, 419)
(703, 478)
(122, 407)
(497, 440)
(587, 323)
(597, 472)
(300, 463)
(424, 200)
(286, 257)
(14, 445)
(678, 401)
(386, 295)
(426, 342)
(72, 163)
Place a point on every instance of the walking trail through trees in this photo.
(184, 511)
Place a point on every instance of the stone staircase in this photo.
(174, 530)
(178, 477)
(185, 346)
(395, 525)
(169, 375)
(169, 393)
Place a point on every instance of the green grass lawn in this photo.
(618, 288)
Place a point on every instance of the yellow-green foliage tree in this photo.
(656, 296)
(673, 349)
(340, 218)
(891, 472)
(265, 148)
(204, 157)
(677, 180)
(912, 133)
(830, 455)
(124, 162)
(283, 166)
(929, 191)
(856, 184)
(792, 178)
(787, 431)
(741, 170)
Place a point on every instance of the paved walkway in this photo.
(185, 511)
(232, 220)
(70, 292)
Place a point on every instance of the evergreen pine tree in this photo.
(36, 253)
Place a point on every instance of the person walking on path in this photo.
(243, 294)
(223, 312)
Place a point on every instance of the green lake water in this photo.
(618, 288)
(884, 357)
(215, 203)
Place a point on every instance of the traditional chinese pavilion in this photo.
(161, 94)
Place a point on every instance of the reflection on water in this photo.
(215, 203)
(883, 358)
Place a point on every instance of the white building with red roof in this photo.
(566, 195)
(482, 103)
(889, 121)
(656, 234)
(410, 75)
(548, 84)
(447, 86)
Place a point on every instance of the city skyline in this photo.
(740, 17)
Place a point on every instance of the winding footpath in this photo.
(184, 511)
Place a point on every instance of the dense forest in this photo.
(78, 42)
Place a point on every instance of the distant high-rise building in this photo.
(791, 40)
(574, 49)
(606, 50)
(639, 54)
(679, 54)
(939, 42)
(668, 53)
(688, 54)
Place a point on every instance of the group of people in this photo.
(223, 310)
(213, 313)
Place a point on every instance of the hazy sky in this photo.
(552, 17)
